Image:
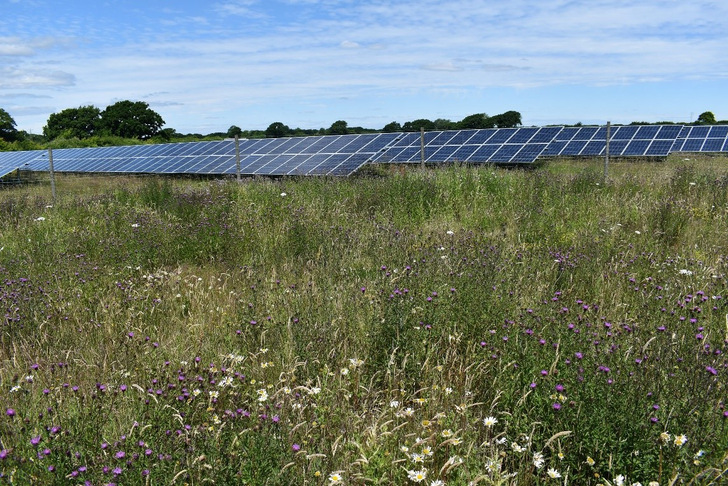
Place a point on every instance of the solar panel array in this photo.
(702, 139)
(624, 141)
(11, 161)
(498, 145)
(342, 155)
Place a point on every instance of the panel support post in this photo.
(237, 157)
(606, 152)
(422, 147)
(53, 175)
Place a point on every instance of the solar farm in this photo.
(463, 324)
(343, 155)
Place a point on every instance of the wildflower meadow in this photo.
(439, 326)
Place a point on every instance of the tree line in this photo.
(127, 122)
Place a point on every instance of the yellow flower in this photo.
(590, 461)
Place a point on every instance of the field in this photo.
(458, 325)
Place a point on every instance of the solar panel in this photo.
(702, 139)
(627, 141)
(477, 146)
(341, 155)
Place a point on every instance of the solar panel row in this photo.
(341, 155)
(505, 145)
(625, 141)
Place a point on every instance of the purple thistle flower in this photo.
(35, 440)
(557, 406)
(296, 447)
(120, 455)
(559, 388)
(711, 370)
(10, 412)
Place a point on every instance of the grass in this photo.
(469, 325)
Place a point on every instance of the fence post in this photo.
(53, 175)
(606, 152)
(422, 147)
(237, 157)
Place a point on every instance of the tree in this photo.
(277, 130)
(477, 120)
(339, 127)
(131, 119)
(8, 132)
(443, 124)
(416, 125)
(81, 122)
(392, 127)
(706, 118)
(233, 131)
(509, 119)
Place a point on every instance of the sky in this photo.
(207, 65)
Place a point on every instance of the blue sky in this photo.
(207, 65)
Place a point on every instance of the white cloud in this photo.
(14, 46)
(442, 66)
(247, 53)
(14, 78)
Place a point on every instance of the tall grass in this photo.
(469, 325)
